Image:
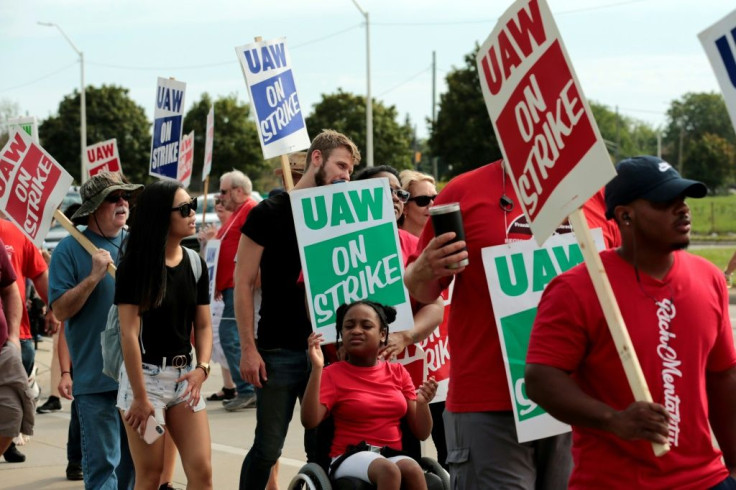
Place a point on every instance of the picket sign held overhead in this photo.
(28, 124)
(551, 145)
(268, 75)
(719, 42)
(186, 160)
(168, 118)
(209, 142)
(349, 249)
(32, 186)
(103, 156)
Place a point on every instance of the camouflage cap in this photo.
(97, 188)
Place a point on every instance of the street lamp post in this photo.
(82, 103)
(368, 101)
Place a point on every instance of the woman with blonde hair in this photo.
(422, 193)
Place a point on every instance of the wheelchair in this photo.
(313, 475)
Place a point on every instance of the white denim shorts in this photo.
(162, 388)
(356, 465)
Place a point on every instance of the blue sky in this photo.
(638, 55)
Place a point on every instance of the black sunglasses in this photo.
(401, 194)
(113, 198)
(186, 209)
(423, 201)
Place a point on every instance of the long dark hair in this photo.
(145, 252)
(386, 314)
(371, 172)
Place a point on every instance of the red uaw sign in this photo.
(32, 185)
(104, 156)
(549, 139)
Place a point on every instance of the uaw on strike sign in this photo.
(349, 248)
(267, 70)
(546, 131)
(168, 117)
(32, 185)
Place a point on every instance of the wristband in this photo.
(66, 372)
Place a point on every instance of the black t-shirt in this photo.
(284, 320)
(166, 330)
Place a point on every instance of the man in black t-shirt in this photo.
(277, 365)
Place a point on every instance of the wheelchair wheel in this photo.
(432, 467)
(311, 476)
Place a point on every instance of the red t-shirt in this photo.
(7, 277)
(676, 343)
(408, 244)
(27, 262)
(229, 234)
(477, 374)
(366, 403)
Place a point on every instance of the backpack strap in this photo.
(194, 262)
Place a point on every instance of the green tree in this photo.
(463, 136)
(345, 112)
(689, 120)
(111, 113)
(235, 145)
(712, 159)
(624, 136)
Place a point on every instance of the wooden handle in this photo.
(83, 240)
(286, 169)
(612, 313)
(204, 200)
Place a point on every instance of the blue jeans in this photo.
(727, 484)
(106, 461)
(230, 342)
(28, 354)
(288, 372)
(74, 438)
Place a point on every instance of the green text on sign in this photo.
(545, 267)
(352, 267)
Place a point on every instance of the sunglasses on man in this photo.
(186, 209)
(423, 201)
(113, 198)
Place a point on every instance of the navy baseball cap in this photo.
(650, 178)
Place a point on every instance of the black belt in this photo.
(178, 361)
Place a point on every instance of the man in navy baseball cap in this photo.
(650, 178)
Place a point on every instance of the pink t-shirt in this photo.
(677, 342)
(366, 403)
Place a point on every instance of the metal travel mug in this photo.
(445, 218)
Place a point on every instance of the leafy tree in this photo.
(624, 136)
(712, 159)
(345, 112)
(236, 144)
(463, 136)
(111, 113)
(690, 119)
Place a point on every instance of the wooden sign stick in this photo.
(204, 200)
(612, 313)
(286, 169)
(83, 240)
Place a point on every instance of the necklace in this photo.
(656, 301)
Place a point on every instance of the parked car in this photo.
(57, 232)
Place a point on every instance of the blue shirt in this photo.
(70, 265)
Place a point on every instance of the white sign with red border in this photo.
(103, 156)
(32, 185)
(186, 160)
(546, 131)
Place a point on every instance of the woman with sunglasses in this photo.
(160, 304)
(422, 194)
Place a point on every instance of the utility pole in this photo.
(434, 110)
(368, 100)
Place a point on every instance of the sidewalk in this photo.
(232, 435)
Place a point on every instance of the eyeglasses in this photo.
(186, 209)
(423, 201)
(223, 192)
(401, 194)
(113, 198)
